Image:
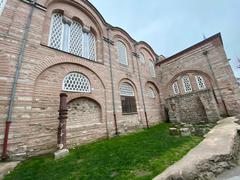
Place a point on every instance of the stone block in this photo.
(185, 132)
(61, 153)
(173, 131)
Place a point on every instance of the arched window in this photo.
(186, 84)
(142, 58)
(151, 68)
(122, 53)
(76, 39)
(68, 35)
(127, 98)
(76, 82)
(2, 5)
(57, 30)
(200, 82)
(175, 88)
(150, 93)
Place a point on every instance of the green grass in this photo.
(141, 155)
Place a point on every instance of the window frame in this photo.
(76, 91)
(142, 60)
(3, 6)
(175, 87)
(65, 42)
(125, 52)
(203, 82)
(128, 100)
(152, 68)
(189, 82)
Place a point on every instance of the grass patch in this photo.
(141, 155)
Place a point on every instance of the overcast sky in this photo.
(173, 25)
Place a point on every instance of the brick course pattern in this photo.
(34, 124)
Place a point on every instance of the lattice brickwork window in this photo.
(142, 58)
(175, 88)
(200, 82)
(76, 82)
(56, 34)
(2, 5)
(186, 84)
(122, 53)
(150, 93)
(68, 35)
(76, 39)
(151, 68)
(126, 90)
(92, 47)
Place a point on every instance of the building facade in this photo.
(114, 84)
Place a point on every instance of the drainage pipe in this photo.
(144, 106)
(112, 84)
(215, 81)
(23, 44)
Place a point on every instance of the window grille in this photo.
(2, 4)
(69, 36)
(76, 38)
(151, 68)
(126, 90)
(186, 84)
(175, 88)
(150, 93)
(76, 82)
(200, 82)
(141, 58)
(92, 47)
(57, 28)
(122, 53)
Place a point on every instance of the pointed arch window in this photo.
(186, 84)
(127, 98)
(2, 5)
(69, 36)
(122, 53)
(76, 82)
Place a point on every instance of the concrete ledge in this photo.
(217, 152)
(6, 167)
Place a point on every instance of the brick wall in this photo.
(35, 114)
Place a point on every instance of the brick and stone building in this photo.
(113, 83)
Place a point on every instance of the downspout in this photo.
(144, 106)
(17, 73)
(112, 84)
(215, 81)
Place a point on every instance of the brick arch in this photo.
(189, 71)
(142, 47)
(153, 84)
(73, 96)
(168, 87)
(53, 62)
(125, 41)
(126, 80)
(81, 6)
(93, 99)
